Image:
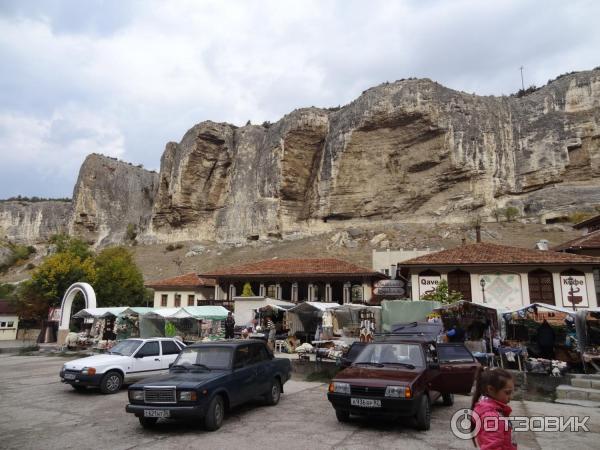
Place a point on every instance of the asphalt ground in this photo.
(37, 411)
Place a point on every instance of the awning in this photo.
(544, 306)
(97, 313)
(278, 304)
(321, 306)
(189, 312)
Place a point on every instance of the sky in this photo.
(123, 78)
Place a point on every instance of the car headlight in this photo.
(187, 396)
(136, 395)
(340, 388)
(398, 391)
(88, 371)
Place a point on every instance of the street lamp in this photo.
(482, 284)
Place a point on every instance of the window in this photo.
(163, 300)
(272, 291)
(10, 324)
(541, 287)
(2, 324)
(149, 349)
(177, 300)
(357, 293)
(258, 353)
(242, 356)
(460, 281)
(453, 353)
(169, 348)
(191, 300)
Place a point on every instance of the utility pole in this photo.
(522, 83)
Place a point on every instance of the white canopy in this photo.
(96, 313)
(189, 312)
(321, 306)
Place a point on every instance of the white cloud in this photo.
(142, 72)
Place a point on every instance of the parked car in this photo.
(209, 378)
(401, 376)
(128, 361)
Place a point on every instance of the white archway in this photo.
(67, 303)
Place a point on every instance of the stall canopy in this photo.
(97, 313)
(189, 312)
(403, 311)
(306, 317)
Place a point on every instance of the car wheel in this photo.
(148, 422)
(342, 416)
(274, 393)
(423, 416)
(111, 383)
(79, 388)
(448, 399)
(215, 414)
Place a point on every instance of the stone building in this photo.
(184, 290)
(507, 277)
(297, 280)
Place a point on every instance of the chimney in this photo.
(478, 233)
(542, 244)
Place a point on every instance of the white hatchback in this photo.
(128, 361)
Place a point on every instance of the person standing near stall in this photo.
(229, 326)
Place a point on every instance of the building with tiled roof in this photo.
(296, 280)
(506, 276)
(9, 321)
(589, 225)
(183, 290)
(588, 244)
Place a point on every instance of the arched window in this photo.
(541, 287)
(460, 281)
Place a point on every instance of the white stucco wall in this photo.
(6, 333)
(202, 294)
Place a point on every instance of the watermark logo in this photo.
(466, 424)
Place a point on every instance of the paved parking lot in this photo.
(39, 412)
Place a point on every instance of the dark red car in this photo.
(401, 376)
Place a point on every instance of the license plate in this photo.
(157, 413)
(365, 402)
(69, 376)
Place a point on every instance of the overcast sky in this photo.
(122, 78)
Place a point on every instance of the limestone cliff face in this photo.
(409, 151)
(29, 223)
(110, 195)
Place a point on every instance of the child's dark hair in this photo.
(496, 378)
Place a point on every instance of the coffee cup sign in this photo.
(574, 291)
(428, 284)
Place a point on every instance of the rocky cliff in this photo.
(29, 223)
(409, 151)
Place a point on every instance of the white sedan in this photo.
(128, 361)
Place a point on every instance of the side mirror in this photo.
(170, 365)
(138, 355)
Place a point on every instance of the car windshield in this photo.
(126, 347)
(400, 354)
(209, 357)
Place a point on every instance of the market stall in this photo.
(588, 332)
(403, 311)
(350, 321)
(545, 335)
(191, 323)
(245, 309)
(471, 323)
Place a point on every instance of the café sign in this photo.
(428, 284)
(574, 291)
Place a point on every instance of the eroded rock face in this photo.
(110, 195)
(409, 151)
(31, 222)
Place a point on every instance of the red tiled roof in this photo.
(7, 308)
(591, 240)
(486, 253)
(299, 267)
(189, 280)
(591, 221)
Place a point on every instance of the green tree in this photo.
(247, 290)
(442, 294)
(118, 281)
(67, 244)
(511, 213)
(7, 291)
